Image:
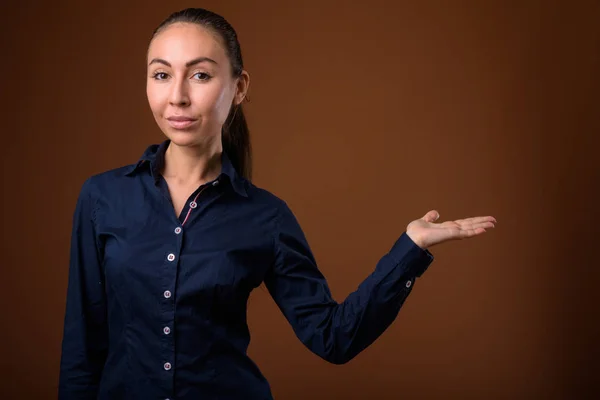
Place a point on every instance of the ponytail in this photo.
(236, 141)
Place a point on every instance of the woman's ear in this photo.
(243, 83)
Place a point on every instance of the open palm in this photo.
(425, 232)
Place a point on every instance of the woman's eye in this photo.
(202, 76)
(160, 76)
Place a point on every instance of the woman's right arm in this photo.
(85, 335)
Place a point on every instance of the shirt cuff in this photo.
(405, 252)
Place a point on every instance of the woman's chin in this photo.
(187, 138)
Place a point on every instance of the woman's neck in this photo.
(192, 165)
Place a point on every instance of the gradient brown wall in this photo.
(363, 118)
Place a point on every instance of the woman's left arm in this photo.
(337, 332)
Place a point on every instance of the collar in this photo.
(154, 156)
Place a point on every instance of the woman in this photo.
(166, 251)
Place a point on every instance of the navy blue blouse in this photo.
(156, 303)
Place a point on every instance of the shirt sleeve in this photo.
(337, 332)
(85, 335)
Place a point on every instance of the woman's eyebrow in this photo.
(187, 64)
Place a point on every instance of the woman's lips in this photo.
(181, 122)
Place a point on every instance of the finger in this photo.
(471, 220)
(468, 233)
(466, 226)
(431, 216)
(476, 219)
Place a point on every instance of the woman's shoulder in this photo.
(109, 179)
(271, 198)
(125, 173)
(116, 173)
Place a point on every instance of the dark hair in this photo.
(235, 133)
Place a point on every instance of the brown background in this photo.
(363, 117)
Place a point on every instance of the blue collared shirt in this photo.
(156, 303)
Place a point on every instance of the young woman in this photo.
(165, 252)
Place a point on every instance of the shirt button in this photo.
(215, 183)
(171, 257)
(408, 284)
(178, 230)
(167, 294)
(166, 330)
(193, 204)
(167, 366)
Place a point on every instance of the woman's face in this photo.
(190, 87)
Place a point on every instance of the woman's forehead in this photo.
(186, 41)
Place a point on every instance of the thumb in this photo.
(431, 216)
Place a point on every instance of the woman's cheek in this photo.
(223, 100)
